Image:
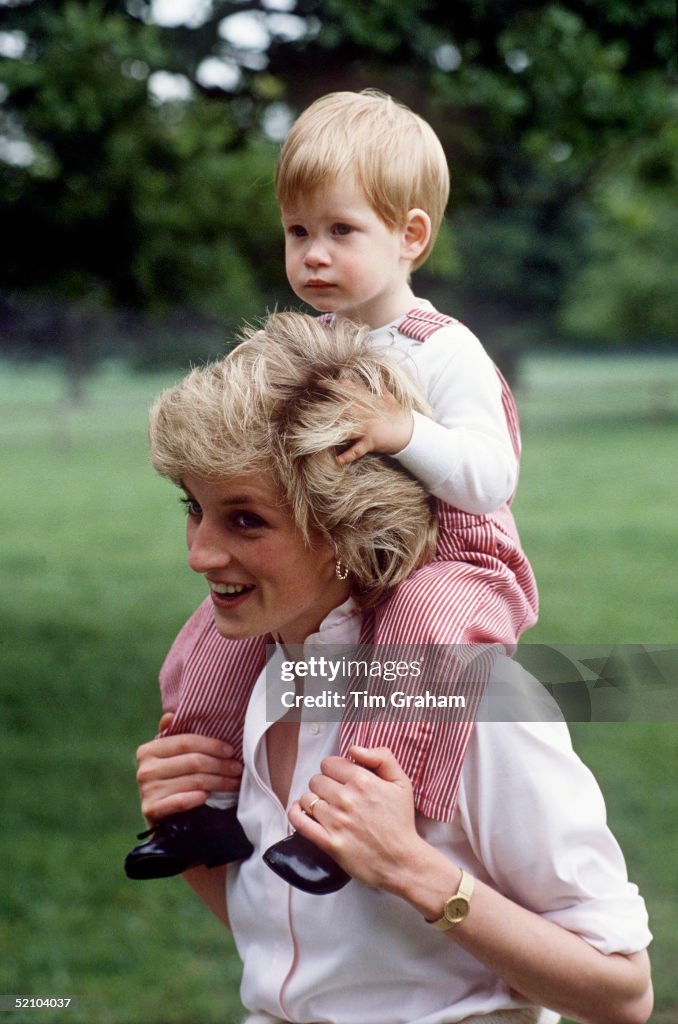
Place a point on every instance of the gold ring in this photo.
(312, 804)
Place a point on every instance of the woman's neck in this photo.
(337, 593)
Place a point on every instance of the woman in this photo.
(526, 882)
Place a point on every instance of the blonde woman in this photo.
(516, 910)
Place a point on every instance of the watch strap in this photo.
(464, 893)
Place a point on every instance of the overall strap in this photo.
(510, 412)
(421, 324)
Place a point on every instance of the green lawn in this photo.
(95, 585)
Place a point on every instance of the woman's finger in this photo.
(184, 743)
(165, 722)
(330, 790)
(379, 760)
(201, 782)
(308, 826)
(341, 769)
(309, 802)
(187, 764)
(156, 809)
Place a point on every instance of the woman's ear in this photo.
(416, 234)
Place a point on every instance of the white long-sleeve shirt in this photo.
(463, 454)
(530, 823)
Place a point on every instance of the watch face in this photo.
(456, 909)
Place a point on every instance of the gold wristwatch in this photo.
(457, 906)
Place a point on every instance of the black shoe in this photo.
(305, 866)
(204, 835)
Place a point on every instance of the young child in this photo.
(362, 183)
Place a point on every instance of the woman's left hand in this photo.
(362, 814)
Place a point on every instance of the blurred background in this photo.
(137, 148)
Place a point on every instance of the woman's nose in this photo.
(206, 547)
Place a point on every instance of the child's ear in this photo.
(416, 234)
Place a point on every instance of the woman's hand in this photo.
(177, 773)
(363, 816)
(365, 820)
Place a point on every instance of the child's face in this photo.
(340, 257)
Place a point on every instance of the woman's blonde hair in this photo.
(394, 155)
(282, 403)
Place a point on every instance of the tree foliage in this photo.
(626, 287)
(126, 202)
(556, 119)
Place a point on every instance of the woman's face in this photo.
(262, 576)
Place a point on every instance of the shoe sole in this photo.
(144, 868)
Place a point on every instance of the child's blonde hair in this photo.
(395, 156)
(281, 405)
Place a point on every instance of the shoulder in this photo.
(200, 622)
(190, 637)
(420, 324)
(200, 638)
(431, 327)
(521, 749)
(443, 343)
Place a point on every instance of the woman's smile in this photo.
(227, 595)
(262, 574)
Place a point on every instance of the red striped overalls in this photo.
(479, 589)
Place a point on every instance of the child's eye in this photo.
(297, 230)
(247, 521)
(191, 507)
(342, 229)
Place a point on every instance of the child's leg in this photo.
(205, 682)
(480, 591)
(208, 680)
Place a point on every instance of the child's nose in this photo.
(317, 254)
(206, 548)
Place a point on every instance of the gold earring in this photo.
(341, 571)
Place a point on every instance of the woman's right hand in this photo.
(177, 773)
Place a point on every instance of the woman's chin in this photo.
(230, 629)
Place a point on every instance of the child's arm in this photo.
(463, 453)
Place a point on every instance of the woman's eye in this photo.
(342, 229)
(247, 521)
(191, 507)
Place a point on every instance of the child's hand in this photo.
(387, 428)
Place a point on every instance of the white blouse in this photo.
(530, 823)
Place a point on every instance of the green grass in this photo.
(598, 495)
(95, 585)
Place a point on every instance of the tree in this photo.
(538, 106)
(126, 203)
(129, 202)
(626, 287)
